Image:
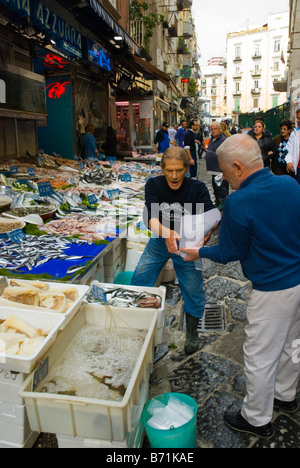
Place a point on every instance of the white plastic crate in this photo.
(88, 418)
(135, 440)
(68, 315)
(10, 384)
(44, 321)
(160, 291)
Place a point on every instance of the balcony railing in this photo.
(137, 32)
(255, 91)
(256, 73)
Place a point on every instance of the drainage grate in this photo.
(213, 319)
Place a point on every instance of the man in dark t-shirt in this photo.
(167, 199)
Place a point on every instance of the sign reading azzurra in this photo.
(65, 36)
(57, 28)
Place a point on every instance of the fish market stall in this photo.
(86, 211)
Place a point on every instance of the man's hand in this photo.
(192, 254)
(172, 243)
(192, 162)
(290, 167)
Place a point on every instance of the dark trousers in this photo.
(220, 191)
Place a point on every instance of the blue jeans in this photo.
(190, 280)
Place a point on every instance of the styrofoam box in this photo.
(44, 321)
(87, 417)
(68, 315)
(160, 291)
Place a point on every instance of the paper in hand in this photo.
(194, 228)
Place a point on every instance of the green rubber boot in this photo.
(191, 342)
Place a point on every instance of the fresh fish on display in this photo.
(33, 251)
(121, 297)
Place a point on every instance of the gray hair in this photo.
(218, 124)
(175, 152)
(241, 148)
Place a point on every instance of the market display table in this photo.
(150, 161)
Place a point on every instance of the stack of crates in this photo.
(15, 430)
(114, 261)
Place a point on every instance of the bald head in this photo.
(239, 157)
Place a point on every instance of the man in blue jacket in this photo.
(262, 231)
(162, 139)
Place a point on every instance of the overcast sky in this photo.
(215, 18)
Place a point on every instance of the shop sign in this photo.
(66, 36)
(99, 56)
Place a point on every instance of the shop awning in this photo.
(113, 25)
(154, 73)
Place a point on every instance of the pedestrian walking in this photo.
(179, 137)
(172, 133)
(191, 148)
(293, 150)
(220, 186)
(162, 142)
(264, 140)
(281, 141)
(251, 232)
(167, 199)
(110, 145)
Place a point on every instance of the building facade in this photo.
(293, 86)
(256, 59)
(213, 88)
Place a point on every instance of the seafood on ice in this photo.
(89, 228)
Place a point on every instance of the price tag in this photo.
(140, 225)
(111, 159)
(17, 235)
(125, 177)
(113, 193)
(99, 293)
(45, 189)
(14, 170)
(92, 199)
(31, 171)
(40, 374)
